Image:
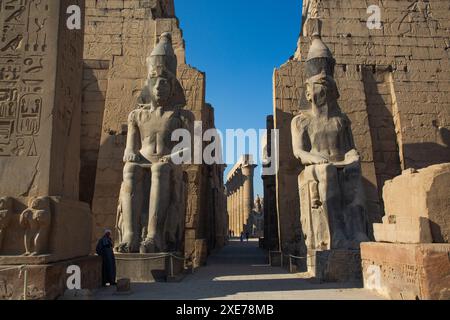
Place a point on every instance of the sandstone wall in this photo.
(394, 85)
(417, 207)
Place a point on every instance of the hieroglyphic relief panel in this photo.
(23, 45)
(416, 20)
(193, 83)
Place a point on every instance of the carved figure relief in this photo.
(36, 220)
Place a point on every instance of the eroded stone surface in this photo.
(47, 281)
(417, 205)
(407, 271)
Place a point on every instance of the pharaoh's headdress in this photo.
(162, 62)
(319, 64)
(320, 59)
(163, 57)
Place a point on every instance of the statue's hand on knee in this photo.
(315, 159)
(131, 157)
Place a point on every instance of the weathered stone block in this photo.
(47, 281)
(335, 265)
(143, 268)
(407, 271)
(417, 205)
(201, 253)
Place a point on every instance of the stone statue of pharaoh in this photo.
(331, 193)
(258, 205)
(151, 212)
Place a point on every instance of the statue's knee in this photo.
(131, 174)
(353, 170)
(131, 170)
(307, 175)
(328, 171)
(161, 170)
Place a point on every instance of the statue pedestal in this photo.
(46, 275)
(47, 281)
(335, 265)
(151, 267)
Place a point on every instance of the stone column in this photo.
(233, 218)
(233, 210)
(231, 213)
(241, 218)
(237, 210)
(228, 209)
(241, 208)
(248, 193)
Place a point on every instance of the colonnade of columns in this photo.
(240, 194)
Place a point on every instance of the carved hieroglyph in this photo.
(152, 205)
(331, 195)
(23, 46)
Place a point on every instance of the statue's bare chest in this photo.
(157, 123)
(324, 132)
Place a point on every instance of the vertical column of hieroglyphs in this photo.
(27, 62)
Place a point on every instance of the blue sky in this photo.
(238, 43)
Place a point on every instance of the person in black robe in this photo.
(105, 250)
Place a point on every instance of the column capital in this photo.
(248, 170)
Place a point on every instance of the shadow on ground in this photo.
(240, 271)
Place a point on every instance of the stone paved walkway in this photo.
(240, 272)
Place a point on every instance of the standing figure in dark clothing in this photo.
(247, 236)
(105, 250)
